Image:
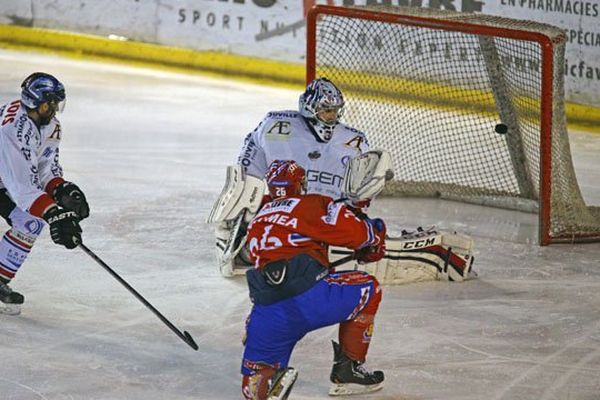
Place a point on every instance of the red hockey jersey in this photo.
(286, 227)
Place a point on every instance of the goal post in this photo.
(470, 106)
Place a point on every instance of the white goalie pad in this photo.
(231, 241)
(239, 201)
(418, 256)
(366, 175)
(241, 192)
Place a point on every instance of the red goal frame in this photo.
(547, 47)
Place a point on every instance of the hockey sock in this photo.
(355, 335)
(14, 249)
(256, 385)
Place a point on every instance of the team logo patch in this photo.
(34, 226)
(280, 128)
(357, 142)
(333, 211)
(313, 155)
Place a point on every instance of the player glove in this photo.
(376, 251)
(64, 227)
(69, 196)
(370, 254)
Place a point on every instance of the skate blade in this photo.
(10, 309)
(345, 389)
(282, 388)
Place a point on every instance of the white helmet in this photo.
(321, 97)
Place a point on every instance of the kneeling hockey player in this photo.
(294, 292)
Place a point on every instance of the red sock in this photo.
(355, 335)
(256, 385)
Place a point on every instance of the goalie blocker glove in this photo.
(69, 196)
(64, 227)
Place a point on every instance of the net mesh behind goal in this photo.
(435, 88)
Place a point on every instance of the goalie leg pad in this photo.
(241, 192)
(230, 249)
(233, 210)
(422, 255)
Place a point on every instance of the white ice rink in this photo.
(149, 149)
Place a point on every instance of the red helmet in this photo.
(285, 178)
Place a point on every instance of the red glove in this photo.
(370, 254)
(375, 252)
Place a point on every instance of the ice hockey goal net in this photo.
(436, 88)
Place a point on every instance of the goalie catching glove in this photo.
(366, 176)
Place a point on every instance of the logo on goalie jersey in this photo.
(280, 128)
(357, 142)
(313, 155)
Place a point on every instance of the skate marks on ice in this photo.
(589, 338)
(26, 390)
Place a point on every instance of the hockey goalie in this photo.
(412, 256)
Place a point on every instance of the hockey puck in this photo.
(501, 129)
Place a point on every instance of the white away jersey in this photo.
(286, 135)
(28, 155)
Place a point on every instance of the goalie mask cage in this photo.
(433, 86)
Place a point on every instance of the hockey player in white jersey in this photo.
(32, 189)
(314, 137)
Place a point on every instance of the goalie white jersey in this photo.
(286, 135)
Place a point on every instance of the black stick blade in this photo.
(190, 340)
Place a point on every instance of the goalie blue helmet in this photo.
(39, 88)
(322, 104)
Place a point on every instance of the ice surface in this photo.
(149, 150)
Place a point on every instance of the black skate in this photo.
(351, 377)
(283, 381)
(10, 301)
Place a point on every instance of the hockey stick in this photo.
(185, 336)
(341, 261)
